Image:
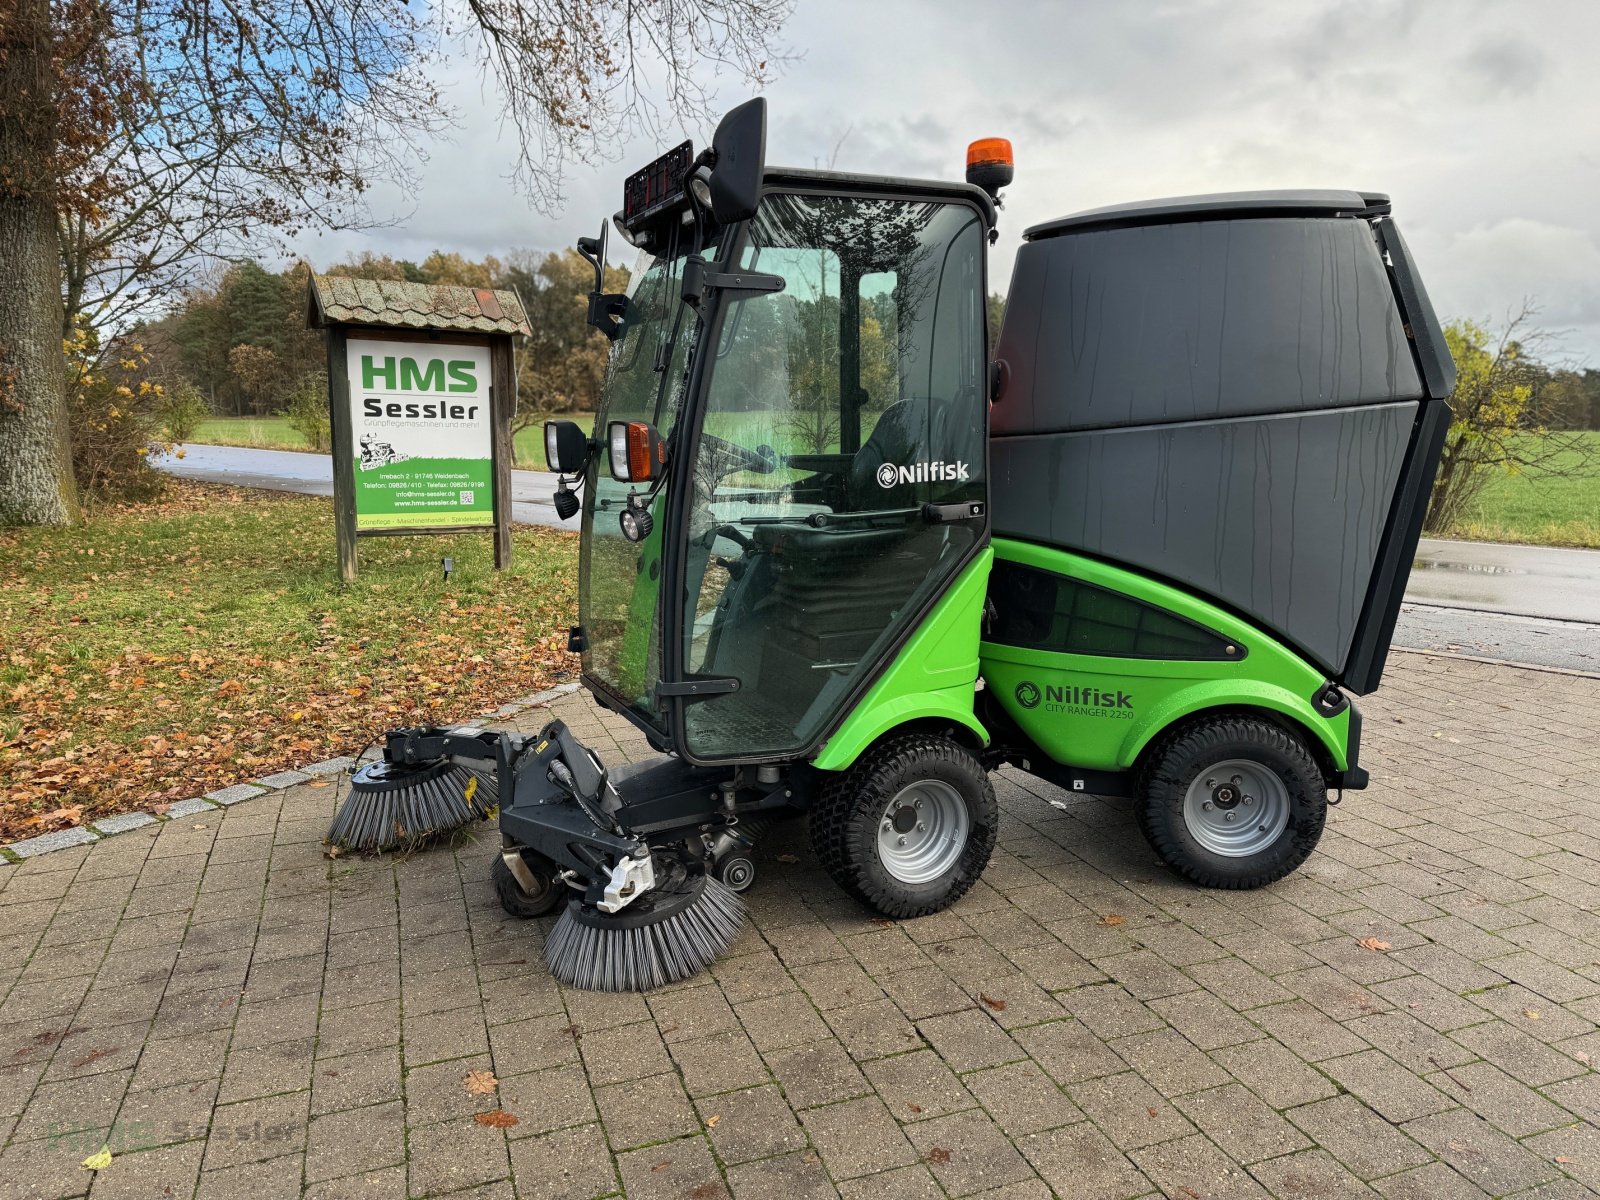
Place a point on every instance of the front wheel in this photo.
(518, 901)
(1232, 802)
(908, 829)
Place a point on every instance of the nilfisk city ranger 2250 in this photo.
(836, 557)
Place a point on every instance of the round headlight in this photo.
(636, 524)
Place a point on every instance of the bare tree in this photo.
(136, 133)
(1504, 420)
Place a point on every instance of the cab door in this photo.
(838, 477)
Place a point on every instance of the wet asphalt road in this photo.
(1527, 604)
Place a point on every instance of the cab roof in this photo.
(851, 181)
(1308, 202)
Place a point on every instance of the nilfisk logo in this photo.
(926, 472)
(1076, 700)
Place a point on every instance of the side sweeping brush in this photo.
(670, 934)
(397, 807)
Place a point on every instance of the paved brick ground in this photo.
(240, 1017)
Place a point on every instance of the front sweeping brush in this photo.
(393, 806)
(671, 933)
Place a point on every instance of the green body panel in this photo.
(934, 675)
(1109, 736)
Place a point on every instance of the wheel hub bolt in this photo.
(1206, 806)
(921, 828)
(902, 841)
(1231, 816)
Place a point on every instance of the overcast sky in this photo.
(1482, 120)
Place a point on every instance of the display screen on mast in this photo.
(420, 425)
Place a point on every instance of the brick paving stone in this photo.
(645, 1110)
(452, 1155)
(968, 1153)
(717, 1064)
(1079, 1161)
(1068, 1052)
(1575, 1149)
(1505, 1103)
(1308, 1032)
(672, 1171)
(1129, 1110)
(749, 1124)
(1205, 1020)
(1310, 1174)
(917, 1086)
(569, 1164)
(167, 1170)
(1240, 1124)
(873, 1030)
(1274, 1074)
(1169, 1062)
(1196, 1164)
(857, 1137)
(355, 1141)
(1358, 1137)
(817, 1073)
(775, 1022)
(255, 1130)
(799, 1175)
(1021, 1098)
(1395, 1093)
(1481, 1153)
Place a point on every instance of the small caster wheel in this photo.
(736, 873)
(516, 899)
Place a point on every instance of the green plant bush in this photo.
(181, 410)
(307, 410)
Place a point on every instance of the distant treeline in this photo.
(240, 339)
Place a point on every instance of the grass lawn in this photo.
(1542, 508)
(275, 433)
(160, 652)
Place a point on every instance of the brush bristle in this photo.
(599, 957)
(408, 815)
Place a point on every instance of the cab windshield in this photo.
(620, 580)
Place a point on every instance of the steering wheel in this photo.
(762, 461)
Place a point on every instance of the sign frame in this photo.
(502, 408)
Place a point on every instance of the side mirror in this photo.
(740, 149)
(637, 451)
(566, 447)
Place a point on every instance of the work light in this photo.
(636, 523)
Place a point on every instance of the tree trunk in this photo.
(36, 485)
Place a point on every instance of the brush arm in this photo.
(421, 744)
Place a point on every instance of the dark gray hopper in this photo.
(1242, 394)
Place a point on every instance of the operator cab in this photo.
(816, 374)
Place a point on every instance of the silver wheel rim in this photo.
(922, 831)
(1236, 808)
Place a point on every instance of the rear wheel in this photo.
(1232, 802)
(518, 901)
(909, 828)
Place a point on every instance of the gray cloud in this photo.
(1480, 119)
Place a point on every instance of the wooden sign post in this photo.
(421, 391)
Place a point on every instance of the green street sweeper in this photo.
(840, 556)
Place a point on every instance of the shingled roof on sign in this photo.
(338, 300)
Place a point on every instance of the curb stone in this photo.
(83, 835)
